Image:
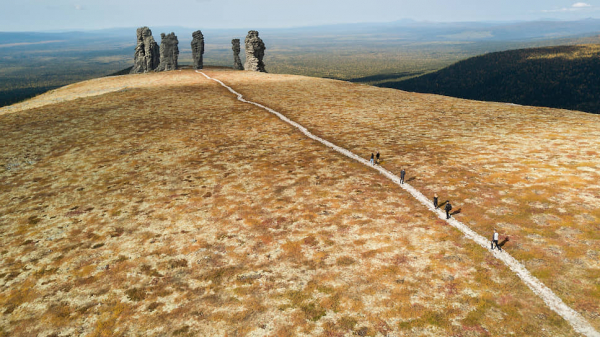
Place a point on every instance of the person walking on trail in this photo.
(402, 174)
(372, 158)
(435, 201)
(495, 240)
(377, 156)
(448, 208)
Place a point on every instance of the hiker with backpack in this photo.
(448, 208)
(372, 158)
(377, 156)
(402, 174)
(495, 240)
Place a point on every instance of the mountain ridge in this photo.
(561, 77)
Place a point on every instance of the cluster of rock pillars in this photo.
(150, 57)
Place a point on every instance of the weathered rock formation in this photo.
(237, 62)
(169, 52)
(146, 52)
(255, 51)
(198, 49)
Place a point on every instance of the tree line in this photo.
(565, 77)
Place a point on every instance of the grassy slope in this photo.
(172, 208)
(562, 77)
(530, 172)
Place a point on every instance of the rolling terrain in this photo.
(34, 62)
(565, 77)
(159, 204)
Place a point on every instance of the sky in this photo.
(49, 15)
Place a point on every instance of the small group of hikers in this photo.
(374, 157)
(375, 160)
(447, 207)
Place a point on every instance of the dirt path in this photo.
(554, 302)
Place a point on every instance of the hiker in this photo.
(377, 157)
(435, 201)
(402, 174)
(495, 240)
(372, 158)
(448, 208)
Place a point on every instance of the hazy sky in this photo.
(38, 15)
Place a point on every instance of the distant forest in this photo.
(8, 97)
(565, 77)
(381, 55)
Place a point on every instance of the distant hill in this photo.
(560, 77)
(370, 53)
(125, 71)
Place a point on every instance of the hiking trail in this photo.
(578, 322)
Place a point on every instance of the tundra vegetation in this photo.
(529, 172)
(168, 207)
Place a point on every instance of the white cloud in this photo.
(574, 8)
(581, 5)
(78, 7)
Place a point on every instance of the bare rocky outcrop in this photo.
(169, 52)
(237, 62)
(255, 51)
(198, 49)
(147, 54)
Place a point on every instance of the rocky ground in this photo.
(166, 207)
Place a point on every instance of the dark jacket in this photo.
(448, 207)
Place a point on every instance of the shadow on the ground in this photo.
(501, 244)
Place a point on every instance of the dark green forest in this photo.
(8, 97)
(565, 77)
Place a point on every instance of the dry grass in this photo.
(178, 210)
(532, 173)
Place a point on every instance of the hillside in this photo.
(565, 77)
(34, 62)
(159, 204)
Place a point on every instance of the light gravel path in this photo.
(578, 322)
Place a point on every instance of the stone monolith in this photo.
(237, 62)
(255, 51)
(197, 49)
(147, 54)
(169, 52)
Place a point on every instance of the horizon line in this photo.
(405, 21)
